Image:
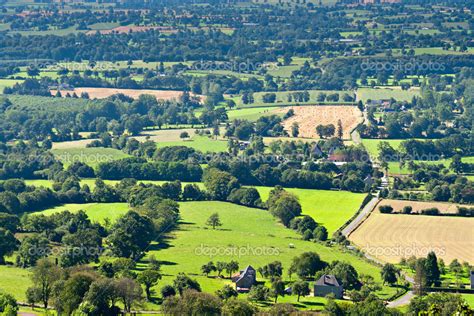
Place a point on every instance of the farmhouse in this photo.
(328, 284)
(245, 279)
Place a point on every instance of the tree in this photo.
(320, 233)
(208, 268)
(149, 278)
(295, 129)
(33, 248)
(100, 298)
(456, 164)
(234, 306)
(219, 184)
(420, 277)
(184, 135)
(285, 206)
(8, 305)
(278, 288)
(259, 293)
(214, 221)
(131, 234)
(183, 282)
(129, 292)
(220, 266)
(307, 264)
(272, 270)
(231, 267)
(32, 71)
(389, 274)
(340, 131)
(226, 292)
(45, 273)
(192, 303)
(300, 288)
(432, 270)
(72, 291)
(8, 244)
(167, 291)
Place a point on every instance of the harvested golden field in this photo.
(308, 117)
(391, 237)
(417, 206)
(101, 93)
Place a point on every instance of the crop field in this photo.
(249, 236)
(418, 206)
(91, 156)
(308, 117)
(383, 93)
(101, 93)
(391, 237)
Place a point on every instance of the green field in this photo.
(249, 236)
(329, 208)
(97, 212)
(14, 280)
(92, 156)
(282, 98)
(251, 114)
(4, 83)
(202, 143)
(380, 93)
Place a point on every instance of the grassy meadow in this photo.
(249, 236)
(378, 93)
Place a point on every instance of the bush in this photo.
(430, 211)
(385, 209)
(407, 209)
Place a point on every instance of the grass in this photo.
(202, 143)
(329, 208)
(251, 114)
(15, 281)
(97, 212)
(4, 83)
(92, 156)
(282, 98)
(249, 236)
(378, 93)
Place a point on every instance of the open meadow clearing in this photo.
(282, 98)
(249, 236)
(102, 93)
(308, 117)
(391, 237)
(384, 93)
(97, 212)
(329, 208)
(252, 114)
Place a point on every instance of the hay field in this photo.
(308, 117)
(102, 93)
(390, 237)
(443, 207)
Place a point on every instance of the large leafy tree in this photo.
(8, 244)
(131, 235)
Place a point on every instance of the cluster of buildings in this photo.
(327, 284)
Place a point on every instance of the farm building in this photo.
(245, 279)
(328, 284)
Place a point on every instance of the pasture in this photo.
(249, 236)
(329, 208)
(97, 212)
(282, 98)
(391, 237)
(384, 93)
(252, 114)
(308, 117)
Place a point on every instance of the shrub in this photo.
(385, 209)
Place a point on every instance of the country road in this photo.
(362, 215)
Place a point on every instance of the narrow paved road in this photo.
(362, 215)
(402, 300)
